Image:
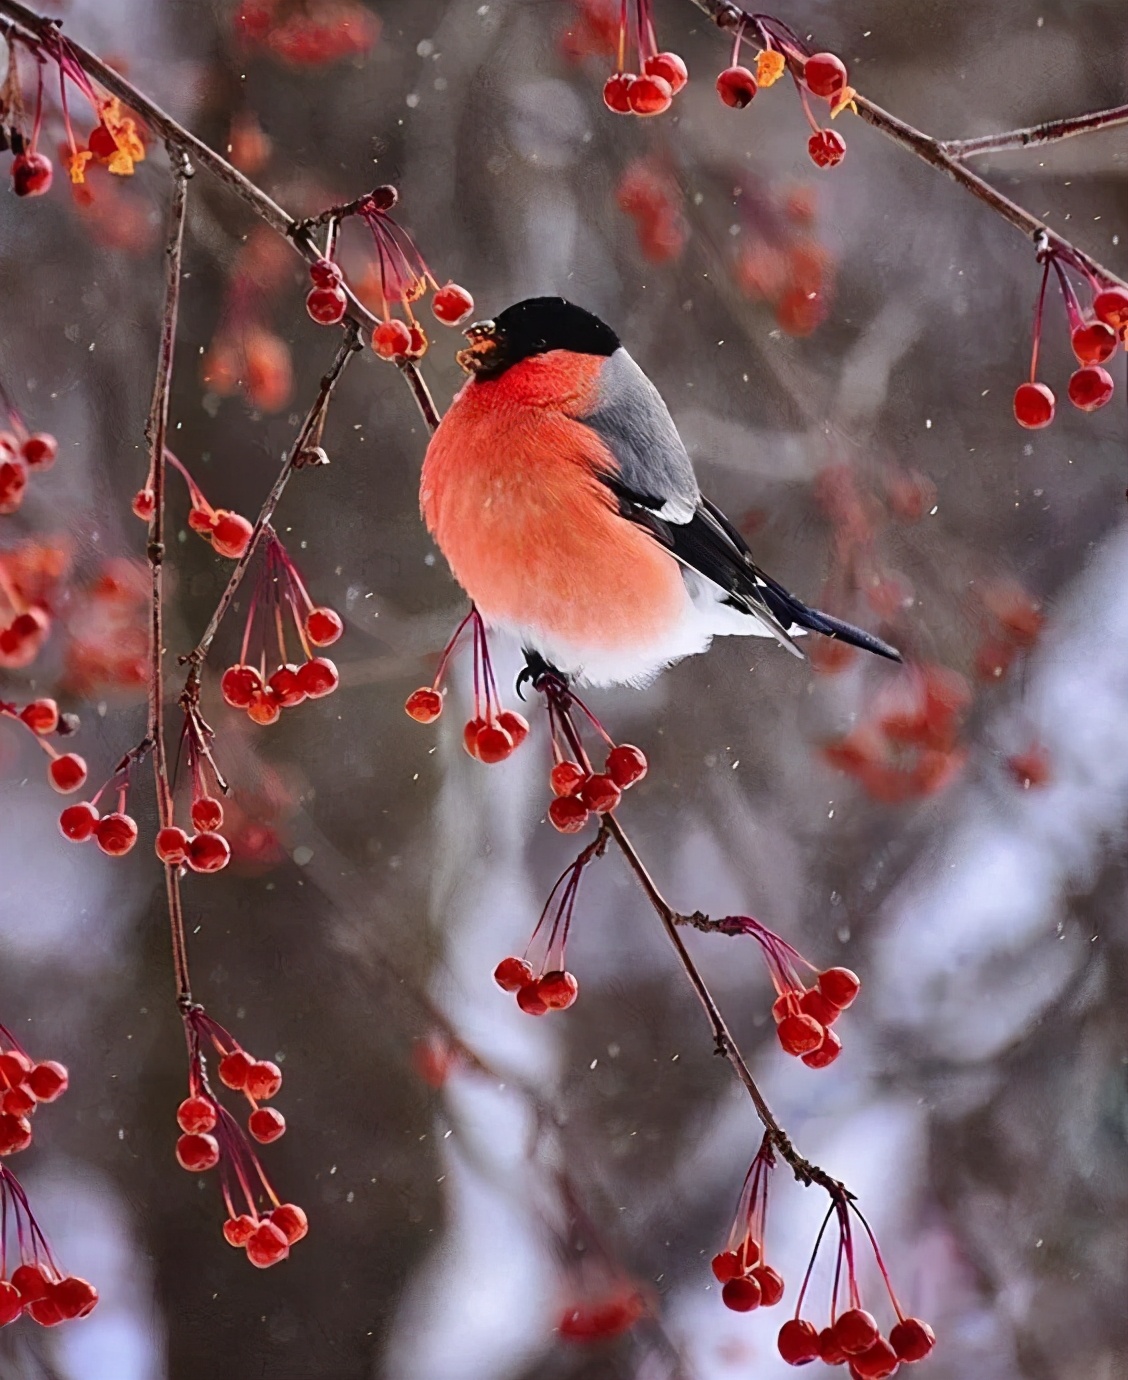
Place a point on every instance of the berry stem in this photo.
(1038, 321)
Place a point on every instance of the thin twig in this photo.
(308, 434)
(731, 18)
(156, 430)
(1050, 132)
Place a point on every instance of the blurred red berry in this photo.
(325, 273)
(31, 174)
(39, 450)
(41, 716)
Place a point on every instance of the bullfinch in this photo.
(560, 493)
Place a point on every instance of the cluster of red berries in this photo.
(804, 1016)
(579, 792)
(115, 833)
(229, 533)
(779, 259)
(747, 1281)
(815, 74)
(650, 90)
(311, 34)
(1094, 337)
(246, 357)
(536, 996)
(24, 1084)
(211, 1136)
(37, 1286)
(280, 594)
(206, 850)
(20, 454)
(1012, 626)
(853, 1337)
(66, 771)
(653, 199)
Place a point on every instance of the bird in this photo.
(564, 501)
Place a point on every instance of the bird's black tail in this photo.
(792, 612)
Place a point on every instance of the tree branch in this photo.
(938, 155)
(1051, 132)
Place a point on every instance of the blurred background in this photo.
(839, 350)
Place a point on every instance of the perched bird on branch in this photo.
(561, 495)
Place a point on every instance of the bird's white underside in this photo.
(704, 616)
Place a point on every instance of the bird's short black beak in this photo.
(481, 354)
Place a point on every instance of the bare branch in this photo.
(1051, 132)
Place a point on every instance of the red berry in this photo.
(196, 1115)
(323, 626)
(207, 812)
(826, 1053)
(829, 1350)
(727, 1265)
(566, 778)
(263, 1080)
(391, 338)
(839, 986)
(31, 174)
(67, 772)
(800, 1034)
(325, 273)
(558, 990)
(530, 1000)
(31, 1282)
(264, 707)
(77, 821)
(827, 148)
(470, 732)
(14, 1068)
(617, 92)
(1090, 388)
(40, 450)
(855, 1331)
(15, 1133)
(291, 1221)
(824, 74)
(424, 705)
(1094, 343)
(41, 716)
(197, 1153)
(600, 794)
(233, 1069)
(18, 1102)
(115, 834)
(318, 677)
(47, 1311)
(238, 1231)
(239, 685)
(1033, 405)
(669, 67)
(13, 482)
(877, 1362)
(492, 744)
(798, 1342)
(771, 1285)
(912, 1339)
(568, 813)
(208, 852)
(626, 764)
(511, 974)
(650, 95)
(11, 1305)
(452, 304)
(231, 534)
(814, 1003)
(144, 504)
(284, 687)
(202, 520)
(516, 725)
(419, 343)
(265, 1124)
(1110, 305)
(48, 1080)
(742, 1294)
(326, 305)
(267, 1245)
(736, 87)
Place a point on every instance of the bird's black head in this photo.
(534, 327)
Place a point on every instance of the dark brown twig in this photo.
(156, 430)
(1050, 132)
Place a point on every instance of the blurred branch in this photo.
(1051, 132)
(156, 429)
(937, 154)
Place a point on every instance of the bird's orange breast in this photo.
(510, 492)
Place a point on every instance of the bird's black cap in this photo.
(533, 327)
